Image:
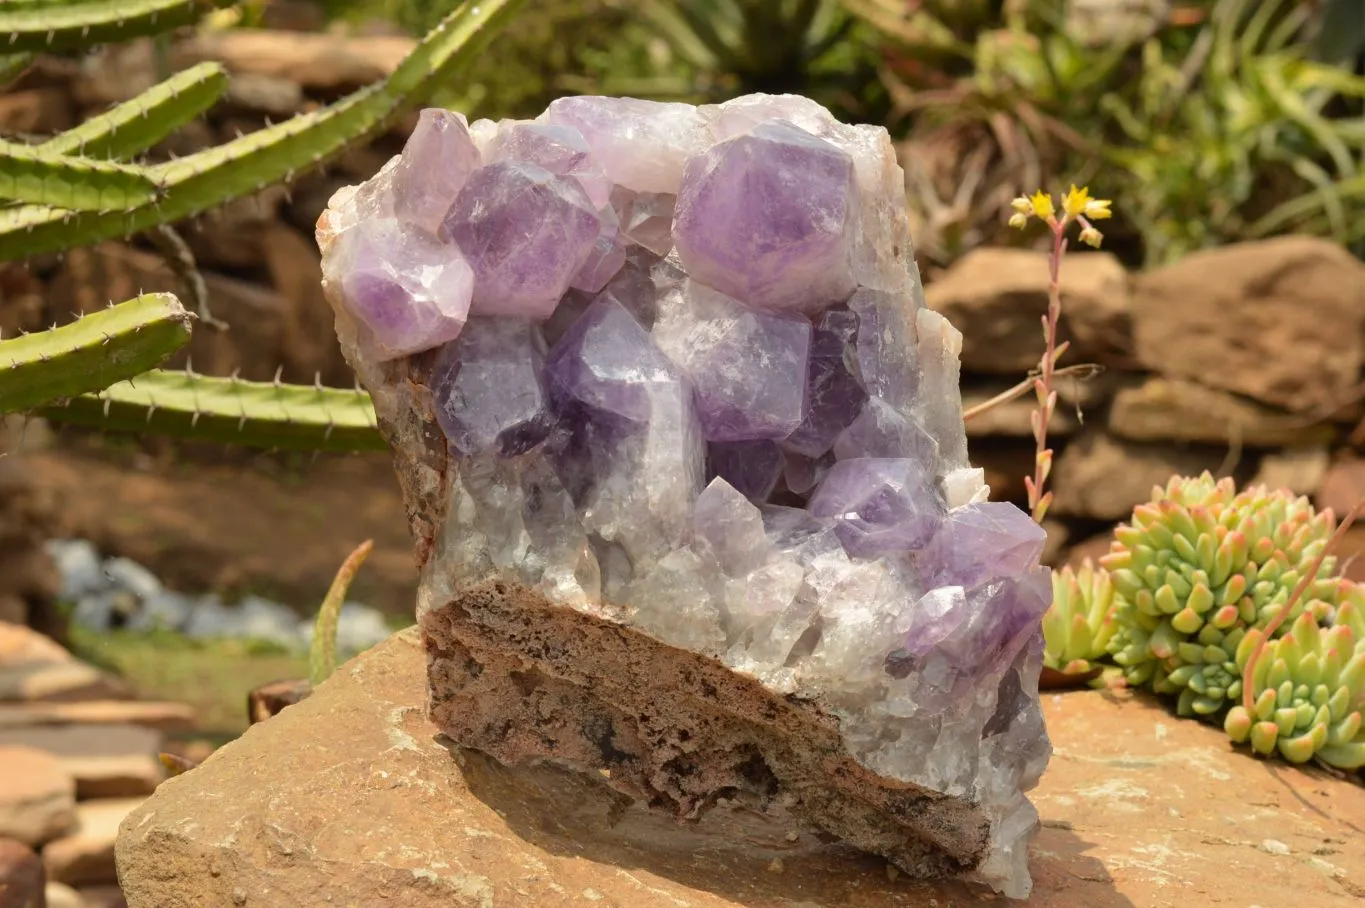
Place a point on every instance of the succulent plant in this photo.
(1196, 568)
(1081, 621)
(1309, 691)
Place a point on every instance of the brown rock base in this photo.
(507, 677)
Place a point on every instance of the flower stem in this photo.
(1038, 500)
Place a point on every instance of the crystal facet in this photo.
(765, 217)
(407, 291)
(526, 232)
(687, 403)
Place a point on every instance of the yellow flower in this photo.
(1022, 205)
(1092, 237)
(1078, 203)
(1019, 220)
(1042, 205)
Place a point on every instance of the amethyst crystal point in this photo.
(607, 361)
(748, 368)
(646, 218)
(730, 511)
(641, 144)
(834, 396)
(980, 542)
(882, 431)
(766, 218)
(559, 149)
(406, 291)
(526, 232)
(752, 467)
(437, 160)
(881, 506)
(489, 388)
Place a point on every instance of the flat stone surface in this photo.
(362, 806)
(106, 761)
(37, 796)
(146, 713)
(21, 876)
(86, 856)
(1173, 409)
(35, 668)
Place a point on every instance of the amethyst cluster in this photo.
(685, 371)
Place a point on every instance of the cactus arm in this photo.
(32, 175)
(322, 652)
(205, 180)
(73, 25)
(12, 66)
(229, 411)
(92, 352)
(136, 125)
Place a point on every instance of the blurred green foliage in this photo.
(1210, 121)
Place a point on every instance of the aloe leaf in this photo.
(322, 652)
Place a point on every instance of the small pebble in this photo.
(1272, 846)
(775, 866)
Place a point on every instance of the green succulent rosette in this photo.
(1080, 622)
(1197, 568)
(1309, 691)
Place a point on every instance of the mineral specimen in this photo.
(684, 457)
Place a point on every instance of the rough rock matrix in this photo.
(684, 459)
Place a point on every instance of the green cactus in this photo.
(40, 177)
(205, 180)
(1199, 566)
(64, 193)
(272, 415)
(1310, 691)
(136, 125)
(59, 25)
(92, 352)
(1081, 620)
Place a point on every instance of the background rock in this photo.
(1165, 409)
(1280, 320)
(1104, 478)
(37, 797)
(21, 876)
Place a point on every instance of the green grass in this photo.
(213, 677)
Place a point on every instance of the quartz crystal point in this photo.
(684, 458)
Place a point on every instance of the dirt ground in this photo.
(234, 522)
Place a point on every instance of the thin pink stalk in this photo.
(1047, 398)
(1249, 694)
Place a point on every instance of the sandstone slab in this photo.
(163, 716)
(37, 796)
(35, 668)
(363, 805)
(1279, 320)
(106, 761)
(86, 856)
(1172, 409)
(60, 895)
(996, 296)
(1103, 477)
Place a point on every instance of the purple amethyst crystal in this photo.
(607, 361)
(690, 391)
(881, 506)
(765, 217)
(407, 291)
(981, 542)
(437, 160)
(489, 388)
(834, 396)
(559, 149)
(646, 218)
(881, 431)
(748, 368)
(526, 232)
(752, 467)
(641, 144)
